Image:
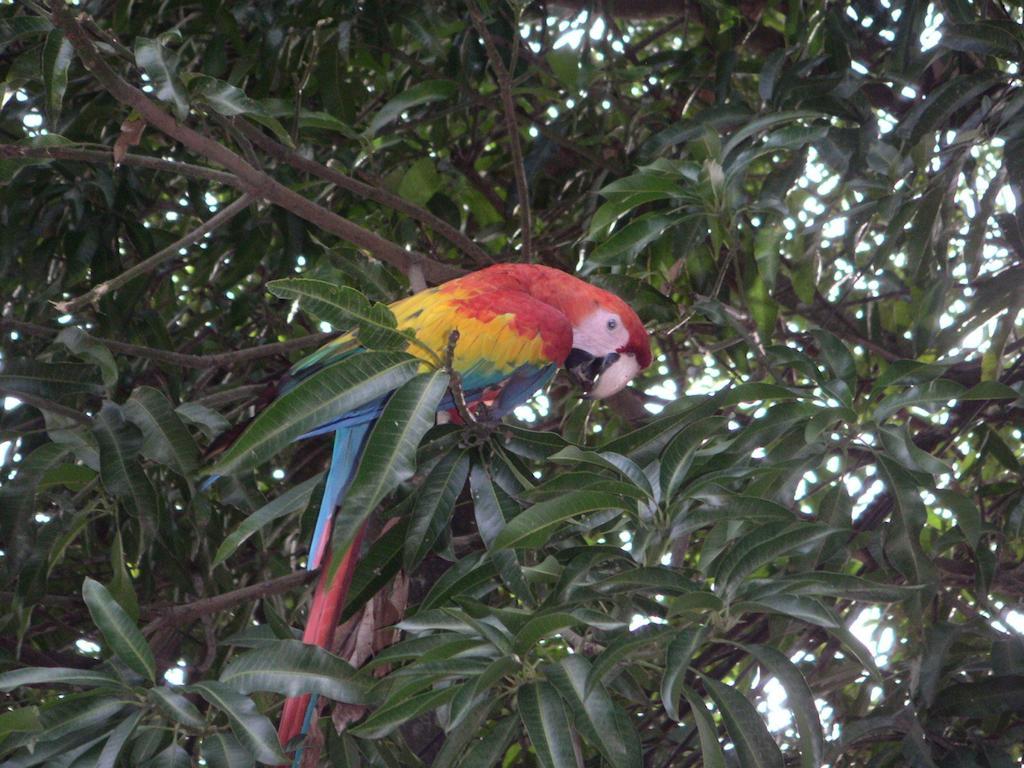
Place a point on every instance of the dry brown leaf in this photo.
(130, 136)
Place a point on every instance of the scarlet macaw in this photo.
(517, 323)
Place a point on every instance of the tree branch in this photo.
(14, 151)
(178, 358)
(248, 178)
(221, 217)
(289, 156)
(188, 612)
(44, 404)
(509, 108)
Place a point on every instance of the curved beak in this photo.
(614, 377)
(584, 368)
(600, 377)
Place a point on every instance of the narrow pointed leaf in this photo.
(712, 755)
(57, 56)
(164, 436)
(389, 456)
(799, 701)
(251, 728)
(161, 66)
(327, 394)
(295, 499)
(534, 526)
(84, 678)
(677, 662)
(292, 668)
(176, 707)
(343, 308)
(598, 719)
(547, 725)
(755, 747)
(433, 507)
(222, 750)
(120, 632)
(117, 739)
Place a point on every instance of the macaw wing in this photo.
(510, 344)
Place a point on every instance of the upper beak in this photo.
(585, 368)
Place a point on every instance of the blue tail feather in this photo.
(348, 444)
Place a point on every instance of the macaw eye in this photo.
(613, 324)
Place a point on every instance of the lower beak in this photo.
(585, 369)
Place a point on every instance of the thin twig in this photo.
(455, 380)
(44, 404)
(282, 153)
(148, 265)
(247, 178)
(106, 156)
(179, 358)
(509, 108)
(182, 614)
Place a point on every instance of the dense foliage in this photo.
(795, 540)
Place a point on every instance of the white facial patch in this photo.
(600, 334)
(615, 377)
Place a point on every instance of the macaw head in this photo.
(610, 345)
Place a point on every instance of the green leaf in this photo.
(57, 56)
(83, 346)
(414, 96)
(400, 709)
(985, 38)
(84, 678)
(755, 748)
(492, 508)
(488, 751)
(711, 751)
(120, 443)
(343, 308)
(171, 756)
(251, 728)
(620, 648)
(222, 750)
(295, 499)
(632, 238)
(224, 98)
(678, 456)
(21, 720)
(902, 538)
(176, 707)
(52, 380)
(120, 632)
(799, 701)
(932, 114)
(165, 438)
(117, 739)
(434, 505)
(991, 696)
(534, 526)
(597, 718)
(121, 583)
(546, 724)
(677, 662)
(161, 66)
(12, 29)
(762, 546)
(757, 125)
(421, 182)
(542, 626)
(389, 456)
(292, 668)
(339, 388)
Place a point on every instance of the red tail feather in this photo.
(323, 620)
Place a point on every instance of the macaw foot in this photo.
(479, 423)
